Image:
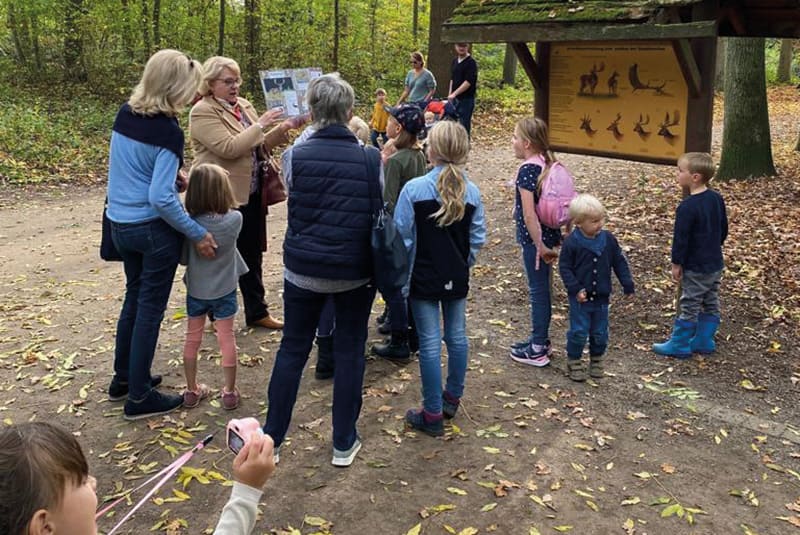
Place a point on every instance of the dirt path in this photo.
(531, 449)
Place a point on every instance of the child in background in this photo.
(701, 226)
(388, 151)
(211, 282)
(440, 216)
(45, 486)
(587, 257)
(537, 239)
(379, 118)
(359, 128)
(430, 119)
(405, 123)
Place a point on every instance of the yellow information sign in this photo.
(623, 98)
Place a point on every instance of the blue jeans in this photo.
(426, 317)
(373, 137)
(538, 294)
(464, 108)
(699, 293)
(301, 311)
(150, 252)
(587, 320)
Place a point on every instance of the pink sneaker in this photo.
(192, 398)
(230, 400)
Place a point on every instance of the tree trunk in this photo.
(157, 24)
(746, 150)
(37, 53)
(785, 62)
(127, 34)
(509, 66)
(373, 24)
(440, 55)
(73, 42)
(252, 47)
(335, 58)
(148, 44)
(719, 77)
(221, 39)
(415, 22)
(13, 25)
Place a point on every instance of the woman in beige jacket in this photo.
(226, 130)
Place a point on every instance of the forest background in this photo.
(66, 65)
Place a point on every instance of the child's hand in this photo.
(181, 181)
(549, 255)
(581, 296)
(254, 463)
(677, 272)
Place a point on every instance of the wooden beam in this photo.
(688, 63)
(551, 32)
(528, 63)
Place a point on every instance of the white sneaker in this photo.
(346, 458)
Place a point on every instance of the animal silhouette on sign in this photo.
(586, 125)
(636, 83)
(590, 80)
(612, 83)
(640, 124)
(614, 127)
(663, 128)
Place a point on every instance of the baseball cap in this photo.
(410, 117)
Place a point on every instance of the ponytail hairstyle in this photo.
(448, 145)
(534, 131)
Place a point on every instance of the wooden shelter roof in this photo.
(568, 20)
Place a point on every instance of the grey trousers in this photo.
(699, 293)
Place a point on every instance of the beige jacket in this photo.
(218, 137)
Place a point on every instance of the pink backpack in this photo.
(558, 190)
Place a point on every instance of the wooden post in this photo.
(440, 55)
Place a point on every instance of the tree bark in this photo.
(13, 25)
(148, 44)
(440, 55)
(157, 24)
(335, 58)
(509, 66)
(746, 150)
(73, 42)
(785, 62)
(415, 22)
(221, 38)
(719, 76)
(252, 47)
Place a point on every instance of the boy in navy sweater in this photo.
(587, 257)
(701, 226)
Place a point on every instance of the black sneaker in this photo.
(415, 419)
(118, 390)
(449, 405)
(523, 343)
(155, 404)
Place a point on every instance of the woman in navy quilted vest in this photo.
(327, 252)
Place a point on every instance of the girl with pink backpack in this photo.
(544, 189)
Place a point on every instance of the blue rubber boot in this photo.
(678, 345)
(703, 340)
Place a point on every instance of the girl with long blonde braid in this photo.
(440, 216)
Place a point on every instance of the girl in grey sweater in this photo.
(211, 282)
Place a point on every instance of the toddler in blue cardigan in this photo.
(587, 257)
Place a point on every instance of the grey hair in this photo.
(330, 100)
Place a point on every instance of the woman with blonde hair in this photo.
(440, 216)
(420, 84)
(148, 222)
(226, 130)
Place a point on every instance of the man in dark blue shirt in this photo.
(463, 82)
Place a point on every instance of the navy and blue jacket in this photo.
(701, 226)
(440, 256)
(331, 201)
(586, 264)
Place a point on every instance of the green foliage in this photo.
(772, 52)
(52, 139)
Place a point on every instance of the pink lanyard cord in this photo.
(165, 474)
